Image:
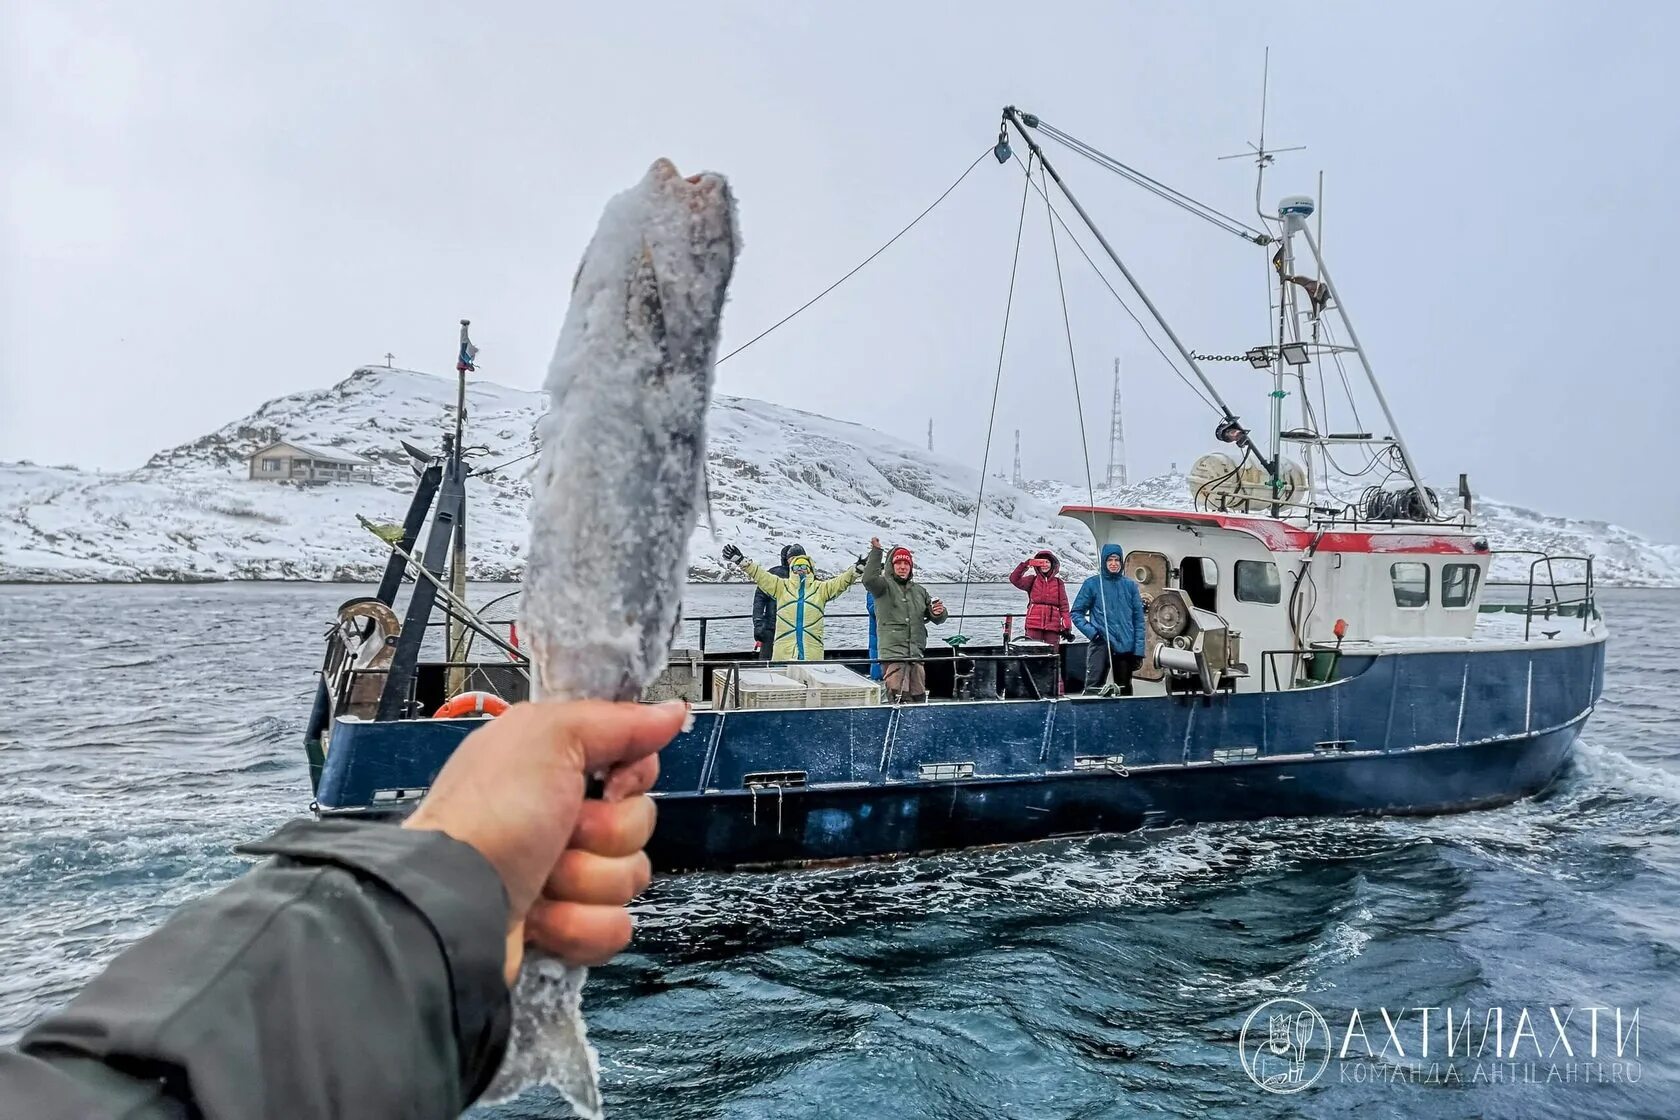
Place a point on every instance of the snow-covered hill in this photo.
(775, 475)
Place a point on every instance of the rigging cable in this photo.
(861, 264)
(1330, 336)
(786, 318)
(1156, 187)
(997, 383)
(1124, 306)
(1078, 397)
(504, 466)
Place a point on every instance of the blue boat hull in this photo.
(778, 827)
(1398, 732)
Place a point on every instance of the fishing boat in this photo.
(1309, 650)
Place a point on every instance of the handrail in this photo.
(705, 619)
(732, 668)
(1586, 583)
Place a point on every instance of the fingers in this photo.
(615, 828)
(582, 876)
(603, 734)
(631, 778)
(579, 933)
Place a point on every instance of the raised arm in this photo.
(834, 586)
(874, 576)
(1020, 578)
(767, 583)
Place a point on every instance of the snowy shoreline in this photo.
(775, 475)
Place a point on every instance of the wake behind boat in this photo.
(1307, 651)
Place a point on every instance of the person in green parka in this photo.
(903, 608)
(801, 600)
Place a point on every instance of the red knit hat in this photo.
(898, 552)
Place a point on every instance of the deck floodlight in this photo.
(1295, 353)
(1260, 357)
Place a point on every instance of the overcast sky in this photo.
(209, 205)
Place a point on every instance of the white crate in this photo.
(756, 688)
(837, 686)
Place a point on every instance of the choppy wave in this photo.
(1090, 977)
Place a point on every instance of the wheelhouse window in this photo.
(1257, 581)
(1411, 585)
(1458, 584)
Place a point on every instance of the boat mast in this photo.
(457, 631)
(1283, 261)
(1295, 222)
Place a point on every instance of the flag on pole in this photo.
(464, 363)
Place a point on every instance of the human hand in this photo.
(875, 542)
(513, 790)
(732, 554)
(936, 607)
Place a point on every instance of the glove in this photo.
(1067, 635)
(733, 554)
(861, 561)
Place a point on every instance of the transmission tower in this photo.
(930, 433)
(1116, 437)
(1018, 480)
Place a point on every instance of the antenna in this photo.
(1018, 481)
(1259, 153)
(1116, 437)
(388, 357)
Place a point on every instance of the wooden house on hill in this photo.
(287, 461)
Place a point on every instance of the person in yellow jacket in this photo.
(801, 599)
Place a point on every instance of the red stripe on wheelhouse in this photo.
(1280, 536)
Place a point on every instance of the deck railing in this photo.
(1565, 599)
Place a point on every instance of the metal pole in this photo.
(1295, 222)
(456, 632)
(1013, 115)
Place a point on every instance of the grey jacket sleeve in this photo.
(357, 974)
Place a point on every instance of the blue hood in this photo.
(1102, 561)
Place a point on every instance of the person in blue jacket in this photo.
(1109, 611)
(875, 670)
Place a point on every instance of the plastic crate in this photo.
(836, 686)
(756, 688)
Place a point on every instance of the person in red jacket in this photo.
(1048, 618)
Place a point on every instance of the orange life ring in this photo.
(472, 704)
